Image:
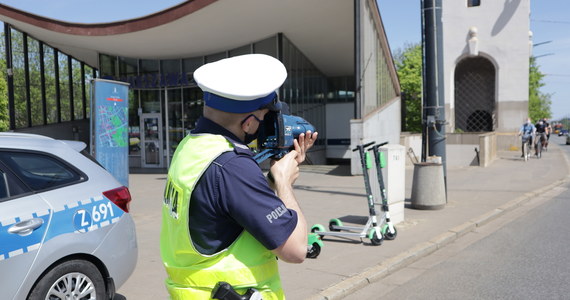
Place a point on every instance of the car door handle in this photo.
(26, 227)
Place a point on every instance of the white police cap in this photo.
(242, 84)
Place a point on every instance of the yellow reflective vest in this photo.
(246, 263)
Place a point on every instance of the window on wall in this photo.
(88, 82)
(149, 69)
(192, 108)
(176, 130)
(50, 73)
(134, 123)
(64, 87)
(127, 67)
(189, 65)
(108, 65)
(305, 86)
(215, 57)
(19, 79)
(472, 3)
(150, 101)
(240, 51)
(77, 90)
(36, 101)
(170, 70)
(267, 46)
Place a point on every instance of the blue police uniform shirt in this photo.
(233, 195)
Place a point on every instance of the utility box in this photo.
(394, 175)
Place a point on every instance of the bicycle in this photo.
(540, 143)
(526, 140)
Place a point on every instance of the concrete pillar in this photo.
(355, 139)
(428, 187)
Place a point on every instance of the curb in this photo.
(353, 283)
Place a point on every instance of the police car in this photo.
(65, 227)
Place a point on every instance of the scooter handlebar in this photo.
(363, 146)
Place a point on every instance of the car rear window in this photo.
(40, 171)
(3, 186)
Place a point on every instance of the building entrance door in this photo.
(151, 140)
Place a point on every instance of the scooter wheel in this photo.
(314, 251)
(318, 228)
(374, 238)
(333, 223)
(390, 236)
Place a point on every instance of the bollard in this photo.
(428, 187)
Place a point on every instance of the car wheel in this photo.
(73, 279)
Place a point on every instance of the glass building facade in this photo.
(51, 89)
(165, 101)
(44, 86)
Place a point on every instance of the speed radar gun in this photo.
(278, 132)
(275, 139)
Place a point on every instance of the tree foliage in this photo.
(4, 116)
(409, 68)
(538, 102)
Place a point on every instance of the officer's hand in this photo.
(285, 170)
(304, 143)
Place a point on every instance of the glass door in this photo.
(151, 140)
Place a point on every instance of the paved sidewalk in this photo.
(475, 196)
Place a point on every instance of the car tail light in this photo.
(120, 196)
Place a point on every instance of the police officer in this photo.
(222, 219)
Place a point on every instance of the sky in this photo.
(550, 23)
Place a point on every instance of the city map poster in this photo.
(109, 127)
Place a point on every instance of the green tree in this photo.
(538, 102)
(409, 68)
(4, 117)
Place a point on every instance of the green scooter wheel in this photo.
(314, 245)
(318, 227)
(389, 235)
(313, 251)
(374, 238)
(333, 223)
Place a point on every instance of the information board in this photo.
(109, 127)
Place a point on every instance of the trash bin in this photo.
(151, 154)
(428, 187)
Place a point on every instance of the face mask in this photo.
(250, 137)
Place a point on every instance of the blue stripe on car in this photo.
(83, 217)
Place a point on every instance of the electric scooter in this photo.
(371, 230)
(388, 229)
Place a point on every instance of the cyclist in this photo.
(548, 132)
(541, 131)
(527, 131)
